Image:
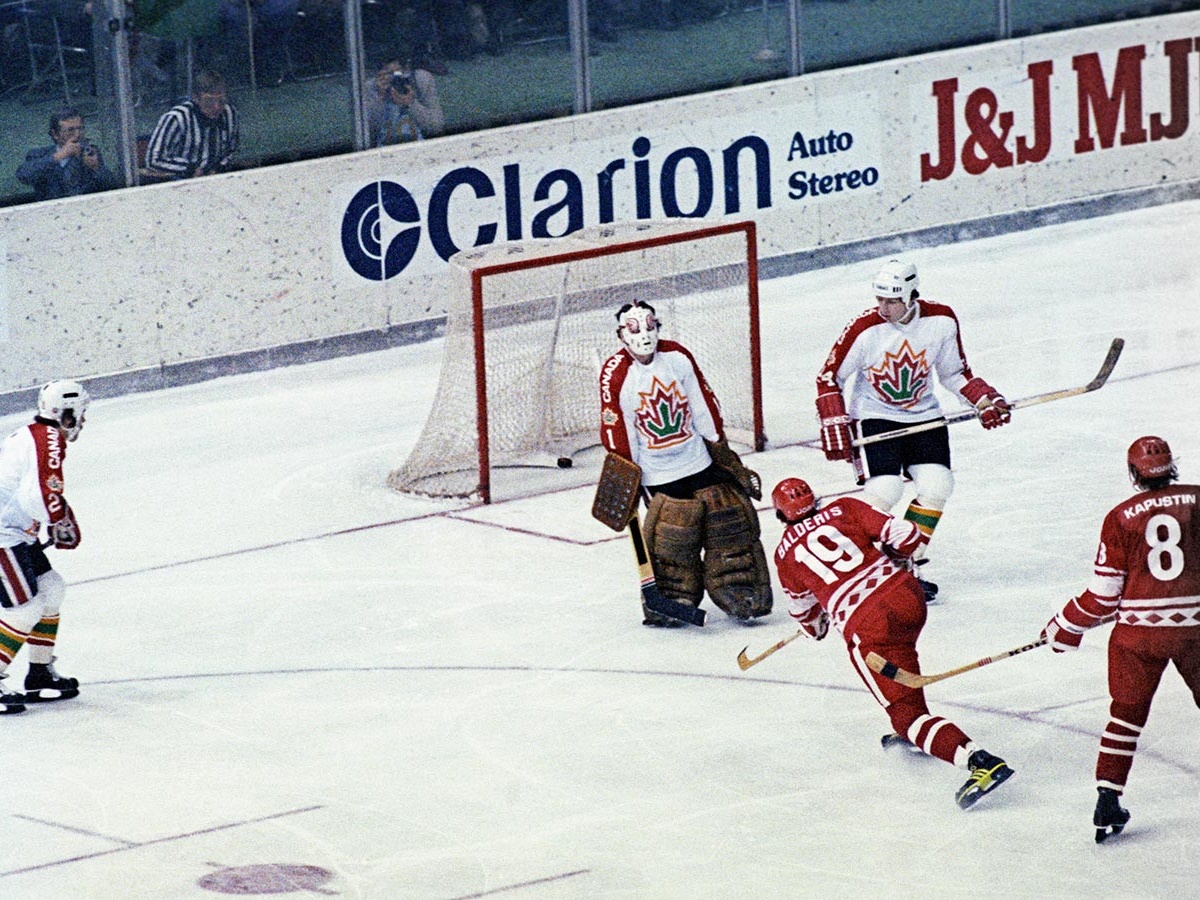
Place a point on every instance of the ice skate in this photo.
(930, 591)
(10, 703)
(1110, 817)
(987, 773)
(44, 685)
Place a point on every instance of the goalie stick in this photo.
(651, 595)
(615, 504)
(878, 664)
(964, 415)
(745, 662)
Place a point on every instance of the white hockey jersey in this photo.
(892, 365)
(658, 415)
(31, 482)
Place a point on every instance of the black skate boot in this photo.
(44, 685)
(930, 589)
(1110, 817)
(987, 773)
(10, 703)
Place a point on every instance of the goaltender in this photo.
(702, 530)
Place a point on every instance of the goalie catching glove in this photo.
(993, 409)
(725, 457)
(836, 440)
(65, 532)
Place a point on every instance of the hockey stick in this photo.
(878, 664)
(615, 504)
(651, 595)
(745, 662)
(1106, 368)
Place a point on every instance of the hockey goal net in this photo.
(529, 324)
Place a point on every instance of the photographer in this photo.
(404, 106)
(71, 165)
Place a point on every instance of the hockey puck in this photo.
(564, 462)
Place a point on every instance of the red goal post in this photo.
(529, 323)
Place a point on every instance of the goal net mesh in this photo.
(519, 384)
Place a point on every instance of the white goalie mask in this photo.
(65, 404)
(638, 327)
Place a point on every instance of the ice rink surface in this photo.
(295, 680)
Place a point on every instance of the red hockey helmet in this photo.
(793, 499)
(1149, 458)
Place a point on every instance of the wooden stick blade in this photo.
(744, 662)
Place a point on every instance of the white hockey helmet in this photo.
(65, 403)
(896, 279)
(637, 327)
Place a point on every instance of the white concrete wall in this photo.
(157, 278)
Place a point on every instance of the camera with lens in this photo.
(401, 83)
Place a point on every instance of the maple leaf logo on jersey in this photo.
(902, 378)
(662, 415)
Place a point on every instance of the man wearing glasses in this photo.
(71, 165)
(198, 136)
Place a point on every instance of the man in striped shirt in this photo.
(198, 136)
(1147, 577)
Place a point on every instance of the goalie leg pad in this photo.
(674, 531)
(736, 573)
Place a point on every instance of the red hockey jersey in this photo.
(833, 558)
(1147, 568)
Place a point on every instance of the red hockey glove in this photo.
(1062, 635)
(65, 532)
(835, 426)
(988, 402)
(814, 622)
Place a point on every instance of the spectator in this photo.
(71, 165)
(198, 136)
(404, 105)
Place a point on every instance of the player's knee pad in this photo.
(933, 483)
(51, 590)
(883, 491)
(674, 532)
(23, 619)
(736, 573)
